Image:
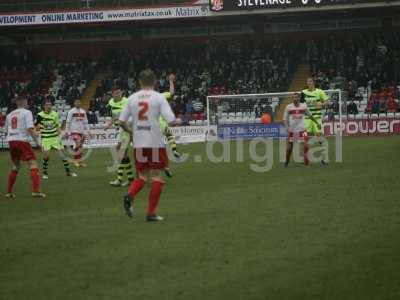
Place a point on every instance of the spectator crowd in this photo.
(360, 64)
(202, 70)
(363, 63)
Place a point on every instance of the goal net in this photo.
(250, 116)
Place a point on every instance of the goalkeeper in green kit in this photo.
(316, 100)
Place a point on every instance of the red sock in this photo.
(306, 161)
(35, 180)
(154, 196)
(135, 187)
(77, 154)
(11, 180)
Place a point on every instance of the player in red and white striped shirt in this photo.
(294, 122)
(20, 127)
(145, 109)
(77, 127)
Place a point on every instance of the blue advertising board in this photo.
(251, 131)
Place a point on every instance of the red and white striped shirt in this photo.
(77, 121)
(295, 115)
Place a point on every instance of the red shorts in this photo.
(21, 150)
(76, 136)
(150, 159)
(297, 136)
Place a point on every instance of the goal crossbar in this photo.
(261, 95)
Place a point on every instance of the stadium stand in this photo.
(367, 73)
(202, 69)
(62, 82)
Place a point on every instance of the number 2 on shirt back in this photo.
(143, 109)
(14, 122)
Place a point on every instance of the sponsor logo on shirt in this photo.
(143, 127)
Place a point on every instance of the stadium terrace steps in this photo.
(300, 76)
(90, 92)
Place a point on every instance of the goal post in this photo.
(239, 116)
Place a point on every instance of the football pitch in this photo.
(315, 232)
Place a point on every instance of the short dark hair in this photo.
(47, 100)
(147, 78)
(20, 98)
(116, 87)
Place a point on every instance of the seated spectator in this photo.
(197, 105)
(376, 107)
(373, 96)
(391, 105)
(92, 118)
(2, 119)
(352, 108)
(189, 107)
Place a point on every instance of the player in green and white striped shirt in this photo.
(48, 123)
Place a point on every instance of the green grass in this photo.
(298, 233)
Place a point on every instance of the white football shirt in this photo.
(145, 108)
(295, 116)
(17, 124)
(77, 121)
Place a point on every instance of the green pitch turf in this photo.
(299, 233)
